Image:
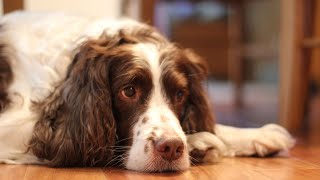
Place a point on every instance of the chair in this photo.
(299, 27)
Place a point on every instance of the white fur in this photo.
(232, 141)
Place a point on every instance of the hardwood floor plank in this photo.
(307, 153)
(79, 174)
(274, 163)
(224, 170)
(293, 174)
(46, 173)
(12, 171)
(38, 172)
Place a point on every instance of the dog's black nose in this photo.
(170, 149)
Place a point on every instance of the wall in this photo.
(1, 11)
(109, 8)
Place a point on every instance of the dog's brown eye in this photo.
(128, 91)
(180, 94)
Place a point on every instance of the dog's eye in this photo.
(180, 94)
(129, 91)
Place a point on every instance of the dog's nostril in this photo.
(180, 148)
(170, 149)
(167, 149)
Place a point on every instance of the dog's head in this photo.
(128, 98)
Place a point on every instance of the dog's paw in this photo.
(271, 139)
(205, 147)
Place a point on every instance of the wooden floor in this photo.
(302, 163)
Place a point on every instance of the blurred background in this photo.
(263, 55)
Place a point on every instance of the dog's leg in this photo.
(20, 158)
(263, 141)
(232, 141)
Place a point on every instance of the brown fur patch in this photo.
(153, 134)
(144, 120)
(184, 71)
(151, 138)
(146, 148)
(6, 77)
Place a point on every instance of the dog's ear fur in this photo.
(6, 77)
(198, 113)
(77, 125)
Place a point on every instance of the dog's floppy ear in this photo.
(198, 112)
(77, 126)
(6, 77)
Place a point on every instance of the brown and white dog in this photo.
(77, 91)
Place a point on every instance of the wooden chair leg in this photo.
(236, 63)
(294, 63)
(12, 5)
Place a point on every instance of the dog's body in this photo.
(78, 91)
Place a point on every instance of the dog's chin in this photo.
(160, 165)
(155, 163)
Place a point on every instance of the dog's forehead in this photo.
(149, 52)
(162, 60)
(157, 55)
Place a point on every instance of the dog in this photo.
(84, 91)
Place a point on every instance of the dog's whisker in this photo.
(120, 160)
(193, 160)
(120, 146)
(113, 159)
(124, 139)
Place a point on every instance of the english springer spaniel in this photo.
(77, 91)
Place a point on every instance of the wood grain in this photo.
(302, 163)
